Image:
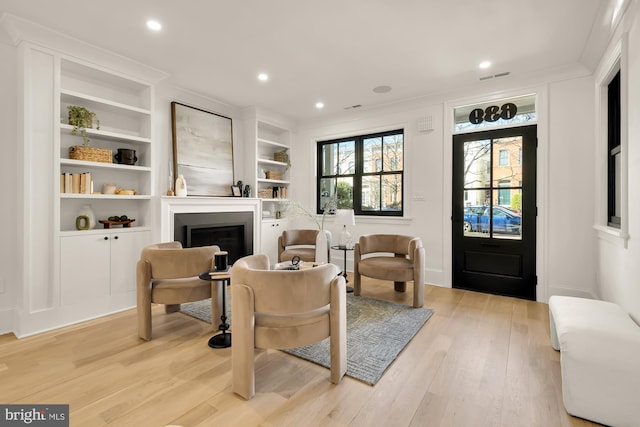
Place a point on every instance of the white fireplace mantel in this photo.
(169, 206)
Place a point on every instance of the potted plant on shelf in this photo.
(82, 119)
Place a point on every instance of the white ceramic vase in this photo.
(323, 243)
(181, 186)
(88, 212)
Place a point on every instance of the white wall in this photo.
(8, 178)
(570, 249)
(566, 251)
(619, 266)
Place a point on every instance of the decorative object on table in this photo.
(221, 260)
(126, 156)
(365, 317)
(236, 191)
(87, 212)
(82, 119)
(345, 217)
(202, 150)
(181, 186)
(247, 191)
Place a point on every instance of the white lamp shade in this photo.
(345, 217)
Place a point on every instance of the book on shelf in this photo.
(76, 183)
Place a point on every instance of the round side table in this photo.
(344, 271)
(222, 340)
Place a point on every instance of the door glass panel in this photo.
(477, 164)
(505, 221)
(507, 161)
(475, 220)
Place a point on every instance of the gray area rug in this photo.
(377, 331)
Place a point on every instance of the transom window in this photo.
(364, 173)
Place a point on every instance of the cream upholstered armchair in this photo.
(405, 262)
(168, 274)
(284, 309)
(301, 243)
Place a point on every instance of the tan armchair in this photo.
(299, 242)
(284, 309)
(168, 274)
(405, 262)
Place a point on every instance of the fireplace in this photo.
(231, 231)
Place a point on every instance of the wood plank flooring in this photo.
(481, 360)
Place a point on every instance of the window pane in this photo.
(346, 157)
(327, 189)
(372, 155)
(370, 193)
(392, 192)
(507, 164)
(477, 163)
(329, 159)
(345, 193)
(393, 153)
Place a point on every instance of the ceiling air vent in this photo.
(353, 106)
(506, 73)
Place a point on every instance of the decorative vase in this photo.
(323, 242)
(181, 186)
(86, 211)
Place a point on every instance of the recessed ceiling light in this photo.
(382, 89)
(263, 77)
(319, 105)
(484, 65)
(154, 25)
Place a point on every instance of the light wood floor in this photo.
(481, 360)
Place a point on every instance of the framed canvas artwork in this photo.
(202, 150)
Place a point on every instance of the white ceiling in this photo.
(335, 51)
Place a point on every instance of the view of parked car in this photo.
(476, 218)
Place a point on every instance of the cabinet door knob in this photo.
(106, 238)
(116, 237)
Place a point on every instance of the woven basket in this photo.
(90, 154)
(274, 175)
(281, 156)
(265, 193)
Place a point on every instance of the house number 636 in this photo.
(493, 113)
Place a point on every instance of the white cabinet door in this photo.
(84, 268)
(125, 253)
(271, 230)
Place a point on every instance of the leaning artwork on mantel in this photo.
(202, 150)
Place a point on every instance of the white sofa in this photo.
(599, 358)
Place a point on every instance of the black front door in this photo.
(494, 211)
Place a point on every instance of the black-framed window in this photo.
(366, 173)
(614, 150)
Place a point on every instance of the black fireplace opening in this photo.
(231, 231)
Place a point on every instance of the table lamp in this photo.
(345, 217)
